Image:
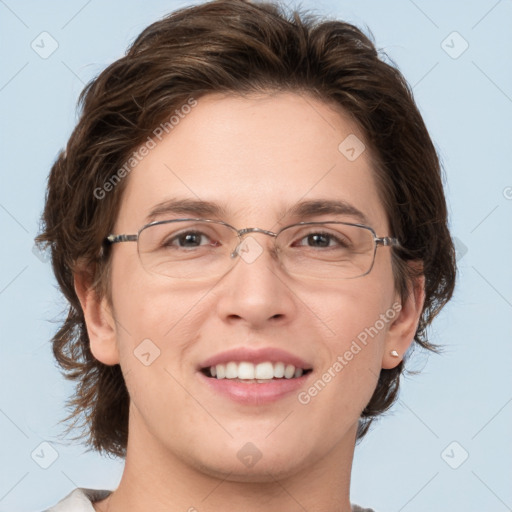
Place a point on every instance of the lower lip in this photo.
(255, 393)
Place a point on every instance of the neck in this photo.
(154, 478)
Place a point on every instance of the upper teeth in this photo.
(249, 371)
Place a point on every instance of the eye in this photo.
(324, 239)
(189, 239)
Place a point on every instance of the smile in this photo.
(246, 371)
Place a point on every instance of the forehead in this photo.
(256, 158)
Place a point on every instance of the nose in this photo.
(256, 291)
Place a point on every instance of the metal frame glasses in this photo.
(353, 254)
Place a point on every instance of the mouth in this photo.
(254, 377)
(250, 373)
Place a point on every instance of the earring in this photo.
(394, 353)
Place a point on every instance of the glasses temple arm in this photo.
(114, 239)
(388, 240)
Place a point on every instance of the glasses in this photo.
(195, 249)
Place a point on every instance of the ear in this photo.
(403, 328)
(101, 326)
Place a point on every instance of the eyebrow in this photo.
(191, 207)
(313, 208)
(303, 210)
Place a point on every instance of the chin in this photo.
(263, 471)
(253, 459)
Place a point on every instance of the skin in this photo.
(256, 156)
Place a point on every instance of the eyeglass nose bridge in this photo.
(241, 232)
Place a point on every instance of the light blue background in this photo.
(464, 395)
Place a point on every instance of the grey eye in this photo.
(323, 240)
(188, 239)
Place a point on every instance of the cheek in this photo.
(155, 329)
(356, 319)
(146, 306)
(350, 307)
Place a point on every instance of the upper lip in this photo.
(255, 356)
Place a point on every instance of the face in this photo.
(256, 158)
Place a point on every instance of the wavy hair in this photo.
(235, 47)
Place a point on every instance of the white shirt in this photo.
(81, 499)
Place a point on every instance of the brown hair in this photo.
(237, 47)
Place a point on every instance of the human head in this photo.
(238, 48)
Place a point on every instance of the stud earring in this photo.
(394, 353)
